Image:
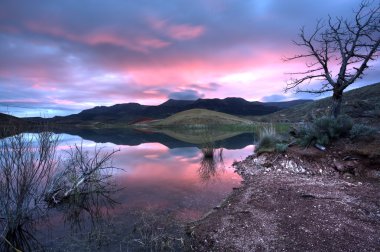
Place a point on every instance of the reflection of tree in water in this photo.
(32, 182)
(20, 236)
(211, 162)
(87, 216)
(79, 209)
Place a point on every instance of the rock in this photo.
(339, 166)
(344, 166)
(347, 175)
(320, 147)
(350, 164)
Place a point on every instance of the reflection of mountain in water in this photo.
(134, 137)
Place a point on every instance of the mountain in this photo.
(134, 112)
(8, 119)
(288, 104)
(176, 103)
(11, 125)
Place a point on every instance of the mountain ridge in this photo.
(132, 112)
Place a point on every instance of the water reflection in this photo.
(172, 139)
(161, 186)
(212, 164)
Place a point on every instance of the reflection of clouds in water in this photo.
(159, 180)
(188, 152)
(156, 176)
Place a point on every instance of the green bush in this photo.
(281, 147)
(324, 130)
(361, 131)
(333, 127)
(270, 141)
(306, 135)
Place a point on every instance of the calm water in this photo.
(162, 183)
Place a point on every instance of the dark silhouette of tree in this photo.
(337, 53)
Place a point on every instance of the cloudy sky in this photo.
(59, 57)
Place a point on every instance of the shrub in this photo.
(333, 128)
(32, 176)
(325, 129)
(362, 131)
(267, 140)
(306, 135)
(270, 141)
(281, 147)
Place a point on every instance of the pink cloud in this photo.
(63, 102)
(153, 43)
(185, 31)
(178, 31)
(43, 87)
(102, 36)
(175, 71)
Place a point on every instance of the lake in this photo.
(161, 181)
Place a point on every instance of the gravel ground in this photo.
(305, 200)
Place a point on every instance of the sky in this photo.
(60, 57)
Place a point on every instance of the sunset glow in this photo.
(60, 57)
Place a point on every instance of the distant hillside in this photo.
(362, 104)
(134, 112)
(288, 104)
(200, 117)
(10, 125)
(8, 119)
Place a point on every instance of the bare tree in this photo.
(338, 52)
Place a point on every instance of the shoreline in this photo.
(304, 200)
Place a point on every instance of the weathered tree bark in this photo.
(336, 103)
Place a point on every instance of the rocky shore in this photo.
(303, 200)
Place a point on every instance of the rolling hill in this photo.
(362, 104)
(200, 117)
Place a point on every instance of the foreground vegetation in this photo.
(320, 133)
(34, 179)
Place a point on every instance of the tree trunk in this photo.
(336, 103)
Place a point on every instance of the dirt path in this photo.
(296, 202)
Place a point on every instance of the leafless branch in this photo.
(343, 44)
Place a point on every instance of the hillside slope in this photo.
(200, 117)
(362, 104)
(8, 119)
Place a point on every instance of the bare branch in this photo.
(342, 44)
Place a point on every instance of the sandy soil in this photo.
(304, 200)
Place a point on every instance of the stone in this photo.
(340, 166)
